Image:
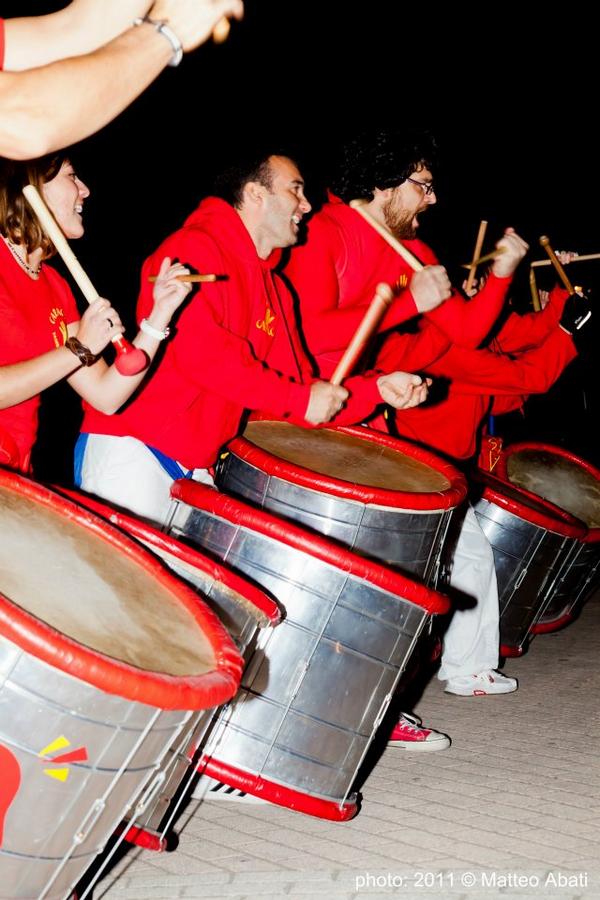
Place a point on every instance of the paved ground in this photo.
(512, 809)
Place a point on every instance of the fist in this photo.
(513, 249)
(430, 287)
(326, 400)
(403, 390)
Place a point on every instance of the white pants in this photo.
(123, 471)
(472, 640)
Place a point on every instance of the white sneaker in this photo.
(489, 682)
(210, 789)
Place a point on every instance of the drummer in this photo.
(333, 275)
(44, 339)
(236, 348)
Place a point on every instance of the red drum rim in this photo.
(552, 624)
(190, 555)
(593, 534)
(238, 513)
(279, 794)
(531, 507)
(111, 675)
(307, 478)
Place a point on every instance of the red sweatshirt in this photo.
(236, 347)
(34, 315)
(476, 375)
(335, 275)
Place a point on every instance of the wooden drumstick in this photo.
(478, 245)
(371, 319)
(535, 295)
(130, 360)
(545, 242)
(548, 262)
(488, 256)
(408, 257)
(190, 279)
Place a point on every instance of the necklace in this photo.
(33, 270)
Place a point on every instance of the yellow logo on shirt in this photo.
(57, 315)
(266, 324)
(400, 284)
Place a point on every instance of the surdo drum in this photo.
(572, 483)
(242, 607)
(531, 539)
(315, 688)
(379, 496)
(103, 657)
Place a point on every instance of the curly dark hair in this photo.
(381, 159)
(18, 222)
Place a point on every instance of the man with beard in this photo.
(236, 348)
(334, 276)
(336, 272)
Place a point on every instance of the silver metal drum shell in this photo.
(528, 559)
(578, 578)
(408, 539)
(314, 691)
(38, 704)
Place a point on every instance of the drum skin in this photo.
(530, 539)
(83, 733)
(580, 574)
(379, 496)
(317, 686)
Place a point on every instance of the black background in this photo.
(510, 92)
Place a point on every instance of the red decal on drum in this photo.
(10, 779)
(78, 755)
(491, 452)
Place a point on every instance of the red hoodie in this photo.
(236, 347)
(335, 275)
(480, 378)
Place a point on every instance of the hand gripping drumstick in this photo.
(545, 242)
(476, 252)
(380, 302)
(130, 360)
(548, 262)
(408, 257)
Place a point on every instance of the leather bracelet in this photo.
(151, 331)
(167, 33)
(83, 353)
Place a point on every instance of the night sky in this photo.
(513, 106)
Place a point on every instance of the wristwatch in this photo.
(83, 353)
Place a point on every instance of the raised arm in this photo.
(85, 92)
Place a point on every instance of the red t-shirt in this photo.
(34, 317)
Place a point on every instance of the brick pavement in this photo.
(514, 803)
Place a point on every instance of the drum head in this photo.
(80, 582)
(346, 457)
(559, 479)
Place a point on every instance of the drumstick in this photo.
(535, 296)
(548, 262)
(545, 242)
(130, 360)
(190, 279)
(478, 245)
(488, 256)
(377, 307)
(221, 30)
(408, 257)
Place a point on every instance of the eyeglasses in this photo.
(426, 186)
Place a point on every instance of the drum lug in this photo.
(89, 821)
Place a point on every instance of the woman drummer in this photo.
(43, 338)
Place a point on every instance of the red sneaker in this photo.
(409, 734)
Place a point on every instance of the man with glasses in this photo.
(334, 276)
